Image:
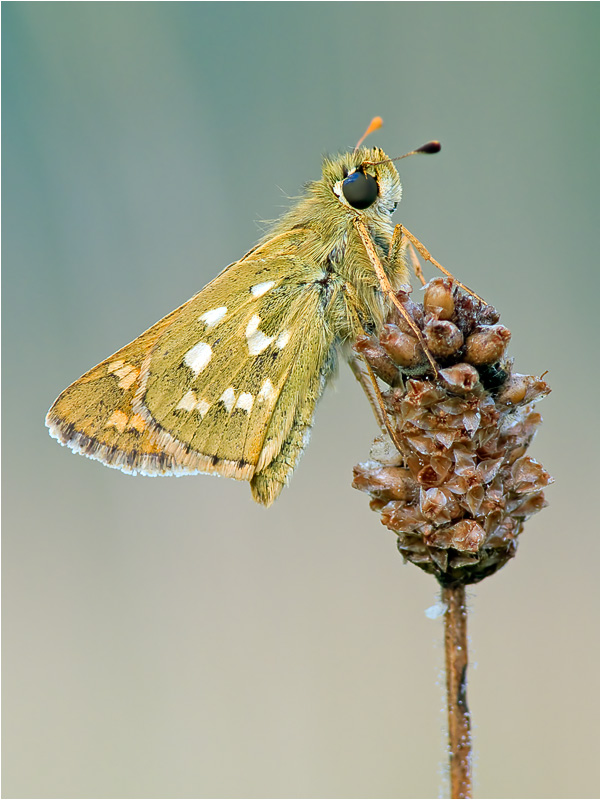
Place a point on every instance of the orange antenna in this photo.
(373, 126)
(429, 147)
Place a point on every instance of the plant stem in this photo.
(456, 659)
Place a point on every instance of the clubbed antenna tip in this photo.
(374, 125)
(429, 147)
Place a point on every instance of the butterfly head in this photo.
(365, 180)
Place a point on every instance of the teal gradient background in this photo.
(168, 638)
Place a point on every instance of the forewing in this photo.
(227, 383)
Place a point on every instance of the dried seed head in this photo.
(458, 491)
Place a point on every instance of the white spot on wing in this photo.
(213, 316)
(267, 392)
(245, 402)
(228, 398)
(282, 339)
(202, 407)
(188, 401)
(198, 357)
(255, 339)
(261, 288)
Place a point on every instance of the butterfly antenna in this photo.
(374, 125)
(429, 147)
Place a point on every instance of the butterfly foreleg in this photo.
(401, 250)
(427, 257)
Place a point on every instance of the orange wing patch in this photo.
(94, 416)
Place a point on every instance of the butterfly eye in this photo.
(360, 190)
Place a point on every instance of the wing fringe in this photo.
(147, 464)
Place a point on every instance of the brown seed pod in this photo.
(403, 348)
(414, 310)
(371, 349)
(487, 344)
(522, 389)
(385, 483)
(460, 378)
(438, 298)
(442, 337)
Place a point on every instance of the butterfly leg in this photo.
(396, 250)
(417, 267)
(388, 290)
(427, 257)
(369, 383)
(359, 369)
(401, 248)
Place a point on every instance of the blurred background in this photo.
(168, 638)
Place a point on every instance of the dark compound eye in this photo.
(360, 190)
